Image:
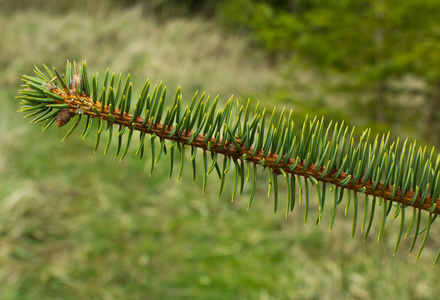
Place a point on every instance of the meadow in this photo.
(80, 225)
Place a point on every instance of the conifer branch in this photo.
(324, 156)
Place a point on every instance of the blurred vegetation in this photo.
(378, 56)
(74, 225)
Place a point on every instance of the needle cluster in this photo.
(390, 174)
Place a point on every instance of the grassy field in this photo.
(79, 225)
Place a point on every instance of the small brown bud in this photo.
(64, 117)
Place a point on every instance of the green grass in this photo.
(78, 225)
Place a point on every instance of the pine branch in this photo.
(326, 156)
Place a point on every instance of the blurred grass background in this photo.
(78, 225)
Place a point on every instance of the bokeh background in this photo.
(79, 225)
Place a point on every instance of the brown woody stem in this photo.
(83, 104)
